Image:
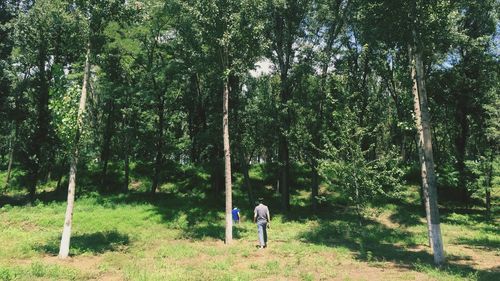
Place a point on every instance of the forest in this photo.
(131, 129)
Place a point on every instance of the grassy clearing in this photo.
(178, 236)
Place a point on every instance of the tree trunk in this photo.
(488, 201)
(460, 143)
(283, 152)
(41, 131)
(314, 187)
(106, 147)
(58, 185)
(227, 164)
(9, 168)
(318, 126)
(11, 157)
(422, 119)
(127, 167)
(284, 158)
(489, 175)
(197, 119)
(68, 219)
(159, 145)
(246, 179)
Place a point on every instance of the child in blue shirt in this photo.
(236, 214)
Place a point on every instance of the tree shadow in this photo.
(463, 216)
(407, 214)
(210, 230)
(18, 200)
(484, 243)
(196, 216)
(22, 200)
(94, 243)
(372, 241)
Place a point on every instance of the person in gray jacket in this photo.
(263, 219)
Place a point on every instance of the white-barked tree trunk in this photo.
(68, 219)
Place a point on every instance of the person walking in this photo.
(236, 215)
(263, 219)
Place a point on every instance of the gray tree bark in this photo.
(227, 164)
(68, 219)
(423, 124)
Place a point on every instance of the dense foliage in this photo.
(319, 86)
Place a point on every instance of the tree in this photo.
(93, 17)
(46, 38)
(284, 27)
(420, 26)
(68, 218)
(463, 88)
(238, 55)
(331, 19)
(422, 119)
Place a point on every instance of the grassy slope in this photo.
(178, 236)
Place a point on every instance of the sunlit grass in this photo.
(179, 236)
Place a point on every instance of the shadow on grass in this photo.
(484, 243)
(94, 243)
(194, 209)
(210, 230)
(372, 241)
(196, 216)
(407, 214)
(22, 200)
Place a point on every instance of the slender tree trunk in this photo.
(404, 155)
(105, 152)
(422, 119)
(488, 199)
(41, 131)
(12, 141)
(192, 125)
(159, 146)
(246, 178)
(68, 219)
(9, 168)
(227, 164)
(283, 152)
(285, 172)
(58, 185)
(356, 196)
(318, 127)
(423, 205)
(314, 187)
(284, 119)
(127, 166)
(461, 143)
(489, 175)
(126, 129)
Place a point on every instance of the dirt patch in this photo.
(463, 255)
(307, 266)
(89, 265)
(473, 257)
(83, 263)
(110, 276)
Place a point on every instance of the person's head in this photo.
(235, 207)
(260, 200)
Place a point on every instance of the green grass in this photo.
(38, 270)
(178, 235)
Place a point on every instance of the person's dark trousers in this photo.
(262, 230)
